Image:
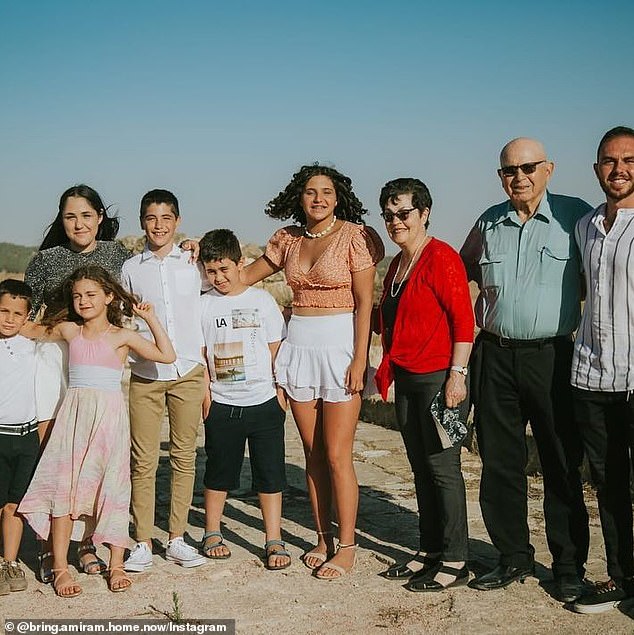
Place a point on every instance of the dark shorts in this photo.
(18, 457)
(227, 428)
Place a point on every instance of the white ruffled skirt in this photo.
(313, 359)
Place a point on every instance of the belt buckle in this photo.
(504, 342)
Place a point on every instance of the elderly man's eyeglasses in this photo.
(402, 215)
(527, 168)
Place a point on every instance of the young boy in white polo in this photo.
(19, 442)
(163, 275)
(242, 329)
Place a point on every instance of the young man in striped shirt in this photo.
(603, 362)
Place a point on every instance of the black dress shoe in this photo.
(403, 572)
(427, 582)
(569, 588)
(501, 577)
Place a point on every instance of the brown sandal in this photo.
(57, 574)
(122, 578)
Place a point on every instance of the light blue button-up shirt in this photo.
(528, 274)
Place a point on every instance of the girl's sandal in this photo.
(96, 566)
(45, 563)
(317, 555)
(329, 566)
(122, 581)
(60, 587)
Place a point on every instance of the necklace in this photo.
(395, 289)
(323, 232)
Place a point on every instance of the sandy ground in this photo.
(292, 601)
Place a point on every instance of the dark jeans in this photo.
(606, 421)
(440, 490)
(518, 385)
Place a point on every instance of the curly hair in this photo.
(55, 233)
(287, 204)
(61, 308)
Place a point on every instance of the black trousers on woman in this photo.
(440, 489)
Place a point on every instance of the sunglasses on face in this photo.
(526, 168)
(402, 215)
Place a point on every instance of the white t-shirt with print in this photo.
(237, 330)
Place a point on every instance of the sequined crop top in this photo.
(328, 283)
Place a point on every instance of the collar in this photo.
(148, 255)
(543, 212)
(599, 215)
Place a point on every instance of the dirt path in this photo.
(292, 601)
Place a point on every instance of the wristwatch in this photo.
(463, 370)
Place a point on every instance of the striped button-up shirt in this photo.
(604, 349)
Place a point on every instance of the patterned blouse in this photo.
(48, 268)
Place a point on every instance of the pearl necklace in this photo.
(321, 233)
(396, 289)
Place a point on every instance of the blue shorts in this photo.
(227, 428)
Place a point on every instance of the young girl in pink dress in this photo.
(81, 487)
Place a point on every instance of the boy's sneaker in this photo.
(13, 575)
(140, 558)
(180, 552)
(605, 596)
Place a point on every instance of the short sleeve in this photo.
(274, 322)
(366, 248)
(277, 248)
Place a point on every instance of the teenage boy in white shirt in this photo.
(164, 276)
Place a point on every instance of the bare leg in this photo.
(308, 417)
(339, 426)
(271, 506)
(117, 579)
(214, 506)
(61, 528)
(12, 526)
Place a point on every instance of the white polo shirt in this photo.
(173, 285)
(604, 348)
(17, 380)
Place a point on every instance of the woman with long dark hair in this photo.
(82, 233)
(329, 257)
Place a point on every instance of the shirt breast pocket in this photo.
(553, 261)
(492, 264)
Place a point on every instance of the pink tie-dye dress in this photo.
(84, 471)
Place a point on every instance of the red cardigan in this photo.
(433, 312)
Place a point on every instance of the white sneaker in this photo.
(180, 552)
(140, 558)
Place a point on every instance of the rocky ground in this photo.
(292, 601)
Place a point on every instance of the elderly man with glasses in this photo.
(522, 255)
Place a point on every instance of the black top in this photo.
(388, 313)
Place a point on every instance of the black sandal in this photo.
(401, 571)
(427, 582)
(92, 567)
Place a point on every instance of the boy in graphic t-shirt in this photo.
(242, 330)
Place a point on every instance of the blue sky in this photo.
(221, 102)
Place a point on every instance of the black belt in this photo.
(507, 342)
(20, 429)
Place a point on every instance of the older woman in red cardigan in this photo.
(426, 323)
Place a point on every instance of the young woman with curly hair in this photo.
(329, 258)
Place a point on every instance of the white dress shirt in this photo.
(173, 285)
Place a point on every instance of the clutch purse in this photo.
(449, 425)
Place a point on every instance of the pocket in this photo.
(492, 268)
(553, 260)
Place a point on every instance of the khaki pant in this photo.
(148, 399)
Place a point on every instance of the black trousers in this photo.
(440, 490)
(515, 386)
(606, 421)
